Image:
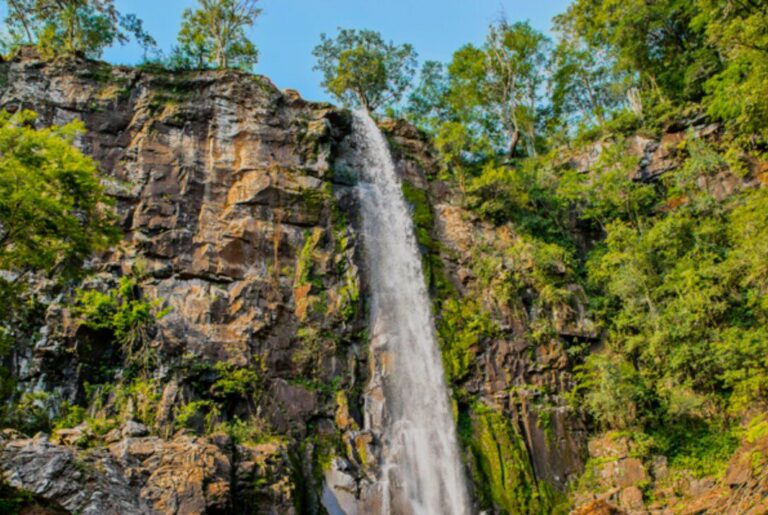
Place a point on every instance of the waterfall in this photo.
(421, 469)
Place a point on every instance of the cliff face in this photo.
(238, 214)
(225, 197)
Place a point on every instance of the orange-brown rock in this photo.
(598, 507)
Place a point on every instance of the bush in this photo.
(126, 314)
(614, 393)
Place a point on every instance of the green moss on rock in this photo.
(500, 466)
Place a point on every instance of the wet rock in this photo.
(290, 404)
(340, 490)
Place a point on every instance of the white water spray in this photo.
(422, 472)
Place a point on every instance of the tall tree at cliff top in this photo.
(495, 89)
(214, 35)
(584, 84)
(82, 27)
(362, 70)
(656, 40)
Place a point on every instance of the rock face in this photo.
(236, 216)
(230, 210)
(140, 475)
(619, 481)
(523, 377)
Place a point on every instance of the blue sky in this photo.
(288, 29)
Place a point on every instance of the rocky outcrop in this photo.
(621, 482)
(657, 156)
(146, 474)
(233, 218)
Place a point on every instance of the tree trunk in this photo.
(23, 19)
(363, 101)
(514, 140)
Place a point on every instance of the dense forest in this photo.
(534, 134)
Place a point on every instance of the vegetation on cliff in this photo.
(672, 263)
(554, 144)
(672, 260)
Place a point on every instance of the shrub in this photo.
(126, 314)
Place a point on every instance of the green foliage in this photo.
(692, 180)
(360, 69)
(525, 194)
(214, 36)
(656, 40)
(493, 90)
(584, 84)
(111, 404)
(254, 430)
(757, 429)
(75, 27)
(613, 392)
(737, 31)
(305, 262)
(32, 413)
(145, 396)
(234, 381)
(71, 416)
(235, 385)
(123, 312)
(609, 193)
(425, 107)
(462, 327)
(702, 450)
(53, 210)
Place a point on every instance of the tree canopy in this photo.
(214, 35)
(53, 210)
(360, 69)
(83, 27)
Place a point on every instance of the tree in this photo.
(214, 35)
(362, 70)
(737, 94)
(81, 27)
(426, 107)
(53, 214)
(655, 40)
(496, 88)
(584, 84)
(53, 210)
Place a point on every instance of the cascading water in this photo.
(421, 471)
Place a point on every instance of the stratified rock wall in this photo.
(235, 211)
(226, 199)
